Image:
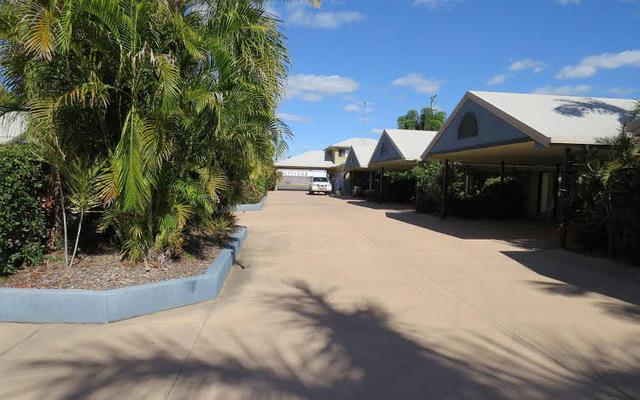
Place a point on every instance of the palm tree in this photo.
(176, 99)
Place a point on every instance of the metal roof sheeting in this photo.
(561, 119)
(310, 159)
(410, 143)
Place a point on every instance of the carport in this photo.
(534, 136)
(398, 150)
(357, 164)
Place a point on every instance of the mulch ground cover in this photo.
(108, 271)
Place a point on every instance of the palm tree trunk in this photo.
(64, 219)
(75, 247)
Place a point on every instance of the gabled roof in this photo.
(345, 144)
(360, 153)
(552, 119)
(410, 143)
(310, 159)
(12, 125)
(400, 146)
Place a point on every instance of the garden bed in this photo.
(101, 306)
(108, 271)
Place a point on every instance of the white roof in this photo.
(410, 143)
(310, 159)
(12, 125)
(559, 119)
(362, 149)
(347, 143)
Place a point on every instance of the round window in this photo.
(468, 127)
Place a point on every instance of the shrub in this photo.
(371, 195)
(22, 216)
(428, 178)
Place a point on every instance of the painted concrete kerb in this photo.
(94, 306)
(252, 207)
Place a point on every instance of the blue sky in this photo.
(395, 54)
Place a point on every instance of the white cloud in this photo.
(377, 131)
(569, 2)
(435, 3)
(567, 90)
(356, 107)
(527, 64)
(311, 87)
(418, 83)
(590, 65)
(287, 117)
(497, 80)
(302, 15)
(365, 120)
(622, 91)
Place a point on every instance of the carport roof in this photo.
(400, 147)
(360, 153)
(552, 119)
(310, 159)
(410, 143)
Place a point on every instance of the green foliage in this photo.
(175, 101)
(22, 216)
(602, 208)
(429, 119)
(409, 120)
(371, 195)
(428, 176)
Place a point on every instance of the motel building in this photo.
(298, 170)
(330, 162)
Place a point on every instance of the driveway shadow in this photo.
(525, 233)
(351, 353)
(579, 275)
(376, 205)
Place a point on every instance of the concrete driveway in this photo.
(333, 299)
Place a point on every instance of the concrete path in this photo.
(333, 299)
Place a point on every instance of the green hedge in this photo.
(22, 216)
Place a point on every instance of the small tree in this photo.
(409, 120)
(429, 119)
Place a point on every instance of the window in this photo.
(342, 153)
(468, 127)
(318, 179)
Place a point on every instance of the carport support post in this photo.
(502, 188)
(565, 198)
(445, 189)
(370, 179)
(381, 179)
(556, 189)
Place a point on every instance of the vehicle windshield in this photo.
(320, 180)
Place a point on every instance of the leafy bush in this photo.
(601, 208)
(371, 195)
(22, 216)
(497, 202)
(428, 178)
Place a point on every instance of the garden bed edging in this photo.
(252, 207)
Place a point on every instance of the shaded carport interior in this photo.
(521, 156)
